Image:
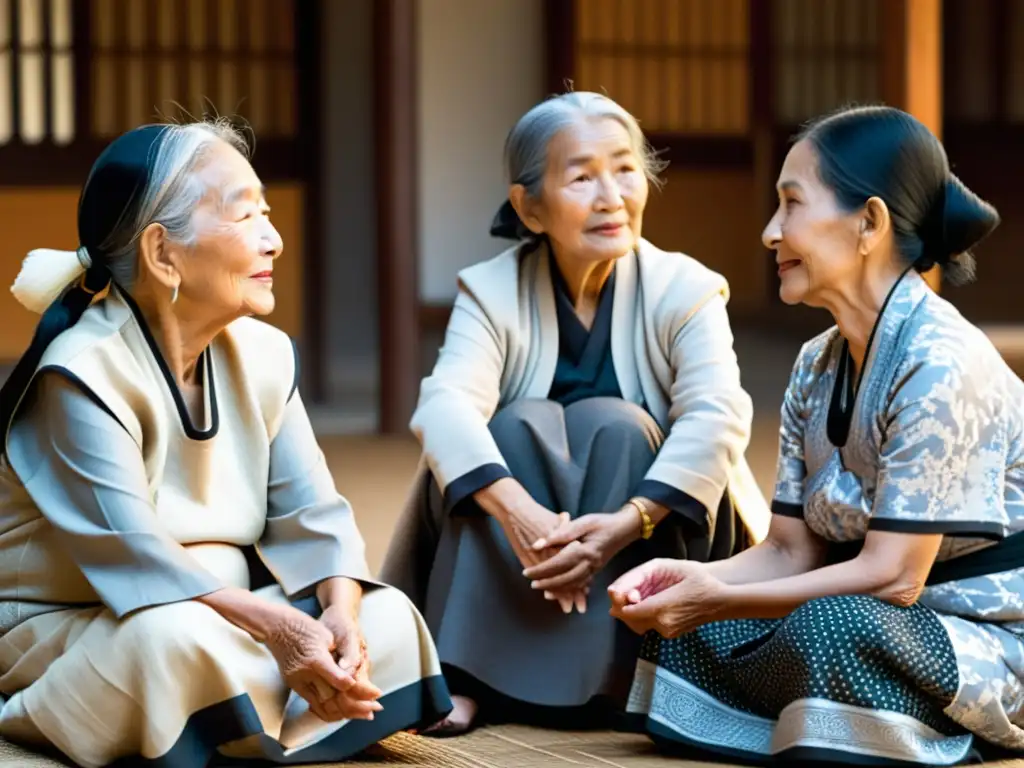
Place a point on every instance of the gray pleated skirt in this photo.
(493, 632)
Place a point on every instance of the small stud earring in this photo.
(174, 295)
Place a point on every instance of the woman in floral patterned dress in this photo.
(882, 619)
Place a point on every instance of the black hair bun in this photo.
(963, 221)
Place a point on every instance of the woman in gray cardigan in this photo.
(584, 415)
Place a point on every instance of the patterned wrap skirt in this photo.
(848, 679)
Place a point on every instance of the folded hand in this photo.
(303, 649)
(585, 545)
(358, 701)
(670, 597)
(523, 527)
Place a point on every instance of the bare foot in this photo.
(459, 720)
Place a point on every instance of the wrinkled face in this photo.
(594, 193)
(229, 271)
(815, 242)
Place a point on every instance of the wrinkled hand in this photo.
(585, 544)
(670, 597)
(526, 525)
(359, 702)
(303, 648)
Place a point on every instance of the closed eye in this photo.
(251, 211)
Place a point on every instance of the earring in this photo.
(174, 295)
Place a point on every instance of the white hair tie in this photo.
(46, 273)
(83, 257)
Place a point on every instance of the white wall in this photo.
(349, 212)
(481, 68)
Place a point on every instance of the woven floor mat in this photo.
(499, 747)
(510, 746)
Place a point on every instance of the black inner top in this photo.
(585, 368)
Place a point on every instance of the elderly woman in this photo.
(585, 374)
(881, 620)
(154, 439)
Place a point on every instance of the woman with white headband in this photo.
(178, 574)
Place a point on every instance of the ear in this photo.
(526, 208)
(875, 225)
(156, 258)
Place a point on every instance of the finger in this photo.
(560, 563)
(363, 672)
(563, 581)
(632, 580)
(619, 601)
(562, 535)
(536, 531)
(323, 691)
(328, 671)
(526, 557)
(352, 657)
(581, 602)
(364, 690)
(649, 608)
(360, 710)
(332, 708)
(308, 692)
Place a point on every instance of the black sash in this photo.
(1005, 555)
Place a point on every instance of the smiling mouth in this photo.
(262, 276)
(787, 265)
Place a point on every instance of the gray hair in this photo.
(172, 193)
(526, 148)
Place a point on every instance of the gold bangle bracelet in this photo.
(646, 524)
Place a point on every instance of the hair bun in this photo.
(961, 221)
(966, 218)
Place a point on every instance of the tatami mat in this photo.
(498, 747)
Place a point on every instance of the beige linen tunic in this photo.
(117, 509)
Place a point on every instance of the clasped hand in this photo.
(325, 662)
(670, 597)
(560, 556)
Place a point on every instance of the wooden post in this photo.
(560, 44)
(309, 19)
(911, 66)
(763, 130)
(396, 135)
